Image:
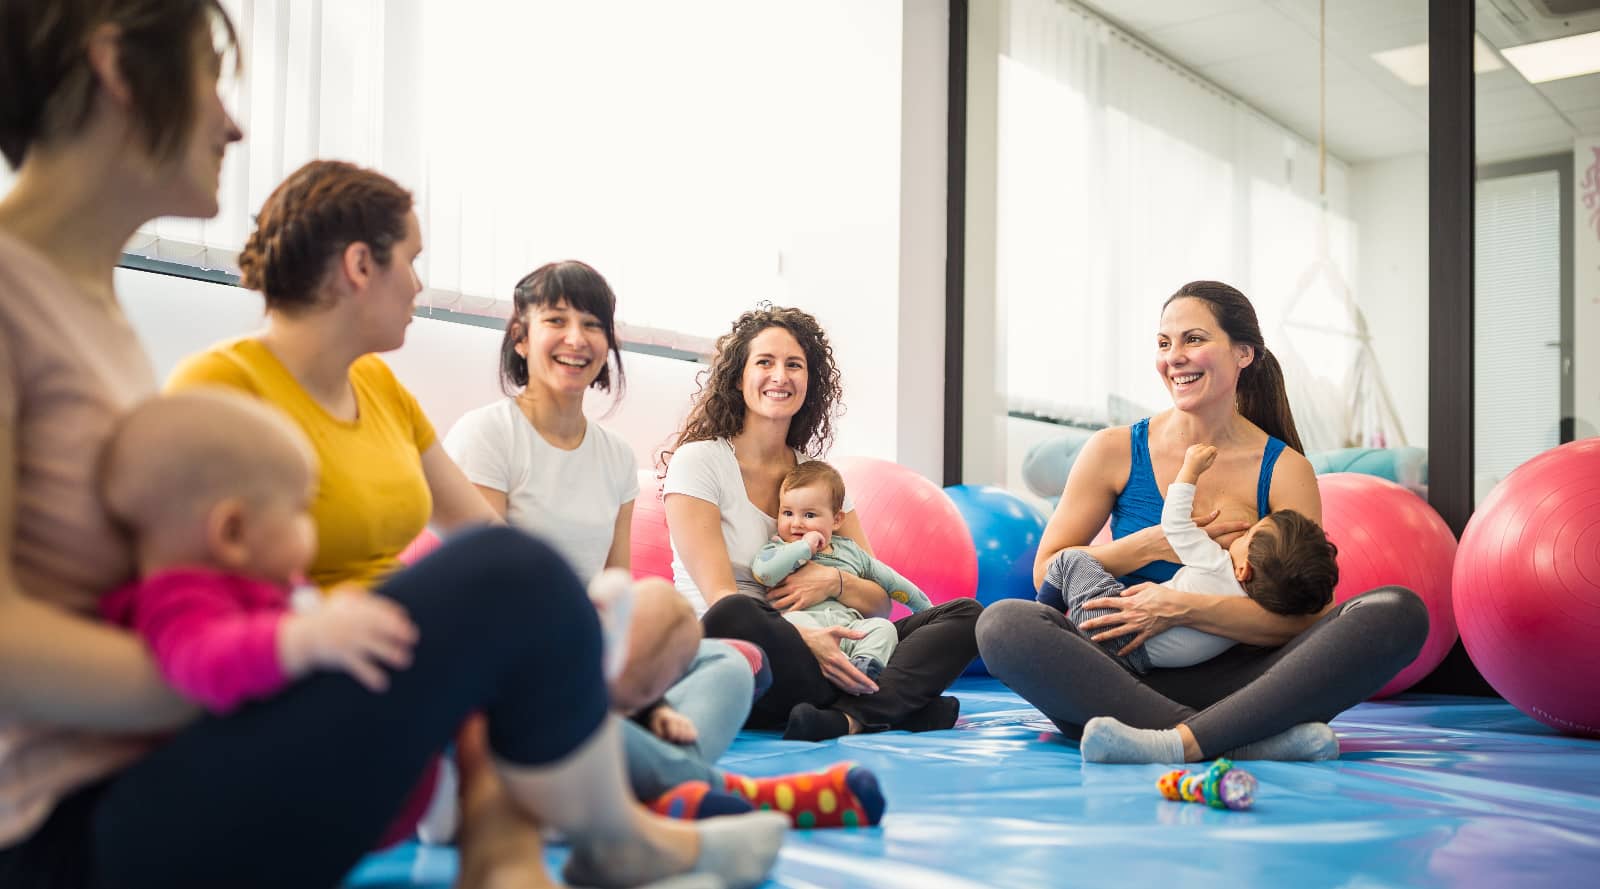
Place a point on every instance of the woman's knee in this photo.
(663, 639)
(725, 665)
(736, 616)
(962, 609)
(1398, 609)
(501, 579)
(1004, 629)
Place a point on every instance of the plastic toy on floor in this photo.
(1220, 786)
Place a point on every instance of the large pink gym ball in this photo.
(1527, 587)
(914, 526)
(1387, 535)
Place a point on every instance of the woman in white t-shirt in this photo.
(550, 471)
(767, 401)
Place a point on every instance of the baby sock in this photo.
(611, 591)
(693, 800)
(868, 665)
(1050, 594)
(846, 795)
(1306, 742)
(1107, 740)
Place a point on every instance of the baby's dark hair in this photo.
(816, 472)
(1294, 566)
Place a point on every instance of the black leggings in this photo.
(1244, 694)
(935, 646)
(293, 790)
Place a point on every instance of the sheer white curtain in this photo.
(1121, 177)
(704, 157)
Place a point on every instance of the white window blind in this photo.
(1517, 323)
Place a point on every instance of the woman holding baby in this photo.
(1268, 697)
(768, 401)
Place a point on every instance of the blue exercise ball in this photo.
(1005, 531)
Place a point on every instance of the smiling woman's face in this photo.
(775, 375)
(1194, 356)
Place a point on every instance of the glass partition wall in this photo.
(1120, 148)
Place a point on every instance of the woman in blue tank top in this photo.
(1227, 390)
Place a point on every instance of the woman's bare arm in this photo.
(695, 526)
(457, 502)
(621, 554)
(64, 669)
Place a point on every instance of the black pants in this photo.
(935, 646)
(1244, 694)
(293, 790)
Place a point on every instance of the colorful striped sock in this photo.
(846, 795)
(693, 800)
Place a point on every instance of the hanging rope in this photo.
(1322, 103)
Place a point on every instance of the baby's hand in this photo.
(1197, 460)
(670, 725)
(814, 540)
(360, 634)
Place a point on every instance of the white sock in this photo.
(1107, 740)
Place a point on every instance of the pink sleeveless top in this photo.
(70, 366)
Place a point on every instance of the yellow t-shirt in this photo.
(372, 499)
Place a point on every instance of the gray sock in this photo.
(1306, 742)
(741, 849)
(1107, 740)
(736, 851)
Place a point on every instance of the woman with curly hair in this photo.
(766, 403)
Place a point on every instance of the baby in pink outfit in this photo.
(214, 489)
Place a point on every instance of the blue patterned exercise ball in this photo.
(1005, 531)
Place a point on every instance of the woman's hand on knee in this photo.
(810, 584)
(835, 666)
(1142, 610)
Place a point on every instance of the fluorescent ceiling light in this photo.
(1555, 59)
(1410, 63)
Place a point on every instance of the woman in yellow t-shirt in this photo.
(332, 253)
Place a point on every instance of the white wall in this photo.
(1586, 289)
(919, 424)
(450, 367)
(1389, 206)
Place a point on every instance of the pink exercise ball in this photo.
(1387, 535)
(1527, 587)
(648, 543)
(913, 526)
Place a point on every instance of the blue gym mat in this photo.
(1429, 791)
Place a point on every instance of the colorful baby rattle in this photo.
(1220, 786)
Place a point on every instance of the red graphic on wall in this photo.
(1590, 186)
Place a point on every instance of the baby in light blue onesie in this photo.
(810, 510)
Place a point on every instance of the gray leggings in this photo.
(1242, 695)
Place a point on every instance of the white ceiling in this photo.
(1265, 53)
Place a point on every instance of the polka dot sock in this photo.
(693, 800)
(846, 795)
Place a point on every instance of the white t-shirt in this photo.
(569, 499)
(1207, 568)
(709, 471)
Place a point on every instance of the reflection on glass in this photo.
(1536, 384)
(1141, 146)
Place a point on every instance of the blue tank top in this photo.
(1139, 505)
